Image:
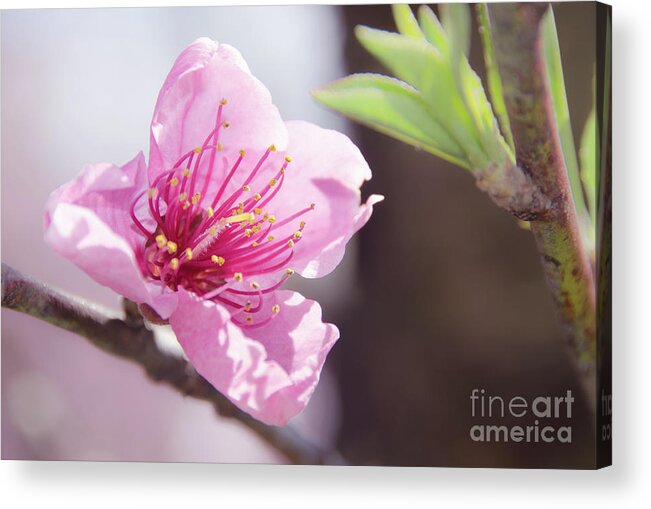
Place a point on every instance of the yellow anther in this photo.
(211, 212)
(302, 224)
(186, 205)
(188, 253)
(270, 238)
(266, 216)
(220, 147)
(290, 243)
(171, 247)
(186, 172)
(213, 231)
(198, 150)
(237, 218)
(288, 159)
(174, 182)
(297, 235)
(247, 307)
(290, 272)
(246, 188)
(255, 285)
(257, 196)
(273, 182)
(275, 309)
(237, 276)
(272, 148)
(196, 198)
(256, 228)
(257, 211)
(249, 319)
(242, 153)
(217, 259)
(240, 209)
(254, 244)
(174, 263)
(223, 101)
(272, 219)
(226, 124)
(183, 197)
(248, 232)
(161, 240)
(151, 192)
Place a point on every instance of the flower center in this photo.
(214, 234)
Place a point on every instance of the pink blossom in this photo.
(233, 202)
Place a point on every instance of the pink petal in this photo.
(87, 221)
(269, 372)
(186, 110)
(327, 170)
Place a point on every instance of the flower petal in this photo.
(269, 372)
(87, 221)
(327, 170)
(187, 105)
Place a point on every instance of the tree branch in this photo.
(517, 39)
(131, 340)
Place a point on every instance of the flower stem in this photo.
(518, 49)
(130, 339)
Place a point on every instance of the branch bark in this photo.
(517, 40)
(130, 339)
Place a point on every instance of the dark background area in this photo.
(451, 297)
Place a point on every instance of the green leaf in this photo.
(554, 67)
(456, 22)
(588, 155)
(493, 75)
(406, 22)
(432, 29)
(394, 108)
(428, 70)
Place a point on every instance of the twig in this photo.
(130, 339)
(515, 28)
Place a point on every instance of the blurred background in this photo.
(428, 309)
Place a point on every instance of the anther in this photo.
(275, 309)
(151, 192)
(211, 212)
(272, 148)
(249, 319)
(223, 101)
(188, 253)
(290, 243)
(237, 276)
(242, 153)
(198, 150)
(272, 219)
(257, 196)
(290, 272)
(288, 159)
(185, 172)
(297, 235)
(246, 188)
(161, 240)
(174, 263)
(171, 247)
(247, 307)
(174, 182)
(255, 285)
(273, 182)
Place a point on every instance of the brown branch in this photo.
(516, 32)
(131, 340)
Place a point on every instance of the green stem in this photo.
(130, 339)
(519, 53)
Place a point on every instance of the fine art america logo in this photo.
(538, 418)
